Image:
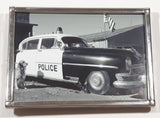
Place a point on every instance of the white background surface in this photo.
(154, 112)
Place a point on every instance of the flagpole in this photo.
(111, 24)
(105, 33)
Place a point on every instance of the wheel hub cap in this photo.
(97, 82)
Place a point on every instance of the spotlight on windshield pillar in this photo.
(59, 30)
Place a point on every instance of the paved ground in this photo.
(36, 91)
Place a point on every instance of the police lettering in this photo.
(47, 67)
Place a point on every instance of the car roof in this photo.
(46, 36)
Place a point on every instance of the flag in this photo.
(110, 22)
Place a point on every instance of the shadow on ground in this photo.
(43, 83)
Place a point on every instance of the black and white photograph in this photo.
(80, 57)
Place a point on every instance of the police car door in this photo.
(49, 60)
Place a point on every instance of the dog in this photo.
(20, 75)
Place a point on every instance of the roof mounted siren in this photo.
(59, 30)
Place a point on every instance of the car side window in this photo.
(32, 44)
(47, 43)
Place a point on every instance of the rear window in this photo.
(47, 43)
(24, 46)
(32, 44)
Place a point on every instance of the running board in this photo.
(71, 79)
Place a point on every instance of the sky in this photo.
(80, 24)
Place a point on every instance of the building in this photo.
(127, 37)
(23, 28)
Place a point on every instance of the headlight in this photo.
(128, 63)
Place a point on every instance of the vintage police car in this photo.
(68, 58)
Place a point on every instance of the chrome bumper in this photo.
(134, 79)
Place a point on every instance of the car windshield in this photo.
(74, 42)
